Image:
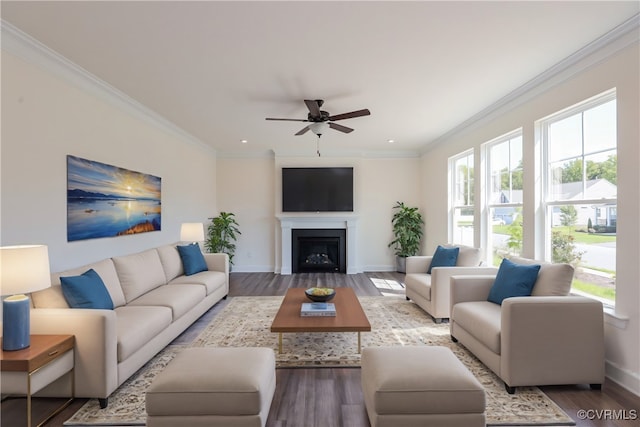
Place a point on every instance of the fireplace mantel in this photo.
(289, 222)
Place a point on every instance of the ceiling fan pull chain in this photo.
(318, 146)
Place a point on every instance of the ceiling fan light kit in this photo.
(321, 120)
(319, 128)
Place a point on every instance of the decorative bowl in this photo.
(320, 294)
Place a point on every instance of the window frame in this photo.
(453, 186)
(488, 205)
(548, 201)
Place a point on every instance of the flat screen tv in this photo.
(317, 189)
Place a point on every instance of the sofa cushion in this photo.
(468, 255)
(86, 291)
(179, 298)
(192, 259)
(139, 273)
(420, 283)
(211, 280)
(136, 326)
(53, 297)
(513, 280)
(553, 279)
(444, 257)
(481, 319)
(171, 262)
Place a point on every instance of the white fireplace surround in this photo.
(288, 223)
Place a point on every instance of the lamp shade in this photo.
(24, 269)
(192, 232)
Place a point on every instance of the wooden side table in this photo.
(27, 371)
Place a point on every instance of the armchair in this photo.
(431, 291)
(548, 338)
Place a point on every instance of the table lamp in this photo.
(23, 269)
(192, 232)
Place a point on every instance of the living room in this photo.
(53, 107)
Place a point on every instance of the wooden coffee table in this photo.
(349, 315)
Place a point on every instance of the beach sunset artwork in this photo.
(108, 201)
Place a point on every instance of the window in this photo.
(461, 199)
(580, 192)
(504, 196)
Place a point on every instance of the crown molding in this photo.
(590, 55)
(30, 50)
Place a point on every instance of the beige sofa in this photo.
(153, 303)
(547, 338)
(431, 291)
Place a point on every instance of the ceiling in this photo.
(217, 69)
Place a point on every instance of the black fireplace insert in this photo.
(318, 250)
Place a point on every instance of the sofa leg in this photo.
(408, 299)
(103, 402)
(510, 390)
(225, 297)
(454, 339)
(437, 320)
(595, 386)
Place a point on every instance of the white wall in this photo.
(620, 71)
(251, 188)
(246, 188)
(46, 117)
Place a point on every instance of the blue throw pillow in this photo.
(86, 291)
(513, 280)
(444, 257)
(192, 259)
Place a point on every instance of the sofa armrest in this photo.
(217, 262)
(440, 284)
(418, 264)
(95, 353)
(470, 288)
(552, 340)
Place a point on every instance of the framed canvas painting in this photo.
(108, 201)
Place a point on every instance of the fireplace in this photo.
(318, 250)
(317, 222)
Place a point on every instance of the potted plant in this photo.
(222, 234)
(407, 230)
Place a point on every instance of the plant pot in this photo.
(401, 264)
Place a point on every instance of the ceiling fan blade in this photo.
(303, 131)
(287, 120)
(340, 127)
(350, 115)
(313, 107)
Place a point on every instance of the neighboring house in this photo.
(604, 214)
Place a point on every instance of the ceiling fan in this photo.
(321, 120)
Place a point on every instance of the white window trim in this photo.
(486, 198)
(452, 190)
(542, 129)
(543, 190)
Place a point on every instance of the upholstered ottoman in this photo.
(227, 387)
(420, 386)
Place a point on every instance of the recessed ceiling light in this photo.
(391, 141)
(244, 141)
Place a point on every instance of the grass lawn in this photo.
(590, 288)
(580, 237)
(586, 238)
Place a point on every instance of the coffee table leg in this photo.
(279, 342)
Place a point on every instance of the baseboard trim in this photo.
(623, 377)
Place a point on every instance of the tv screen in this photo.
(317, 189)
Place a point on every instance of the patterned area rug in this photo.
(245, 322)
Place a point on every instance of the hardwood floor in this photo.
(327, 397)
